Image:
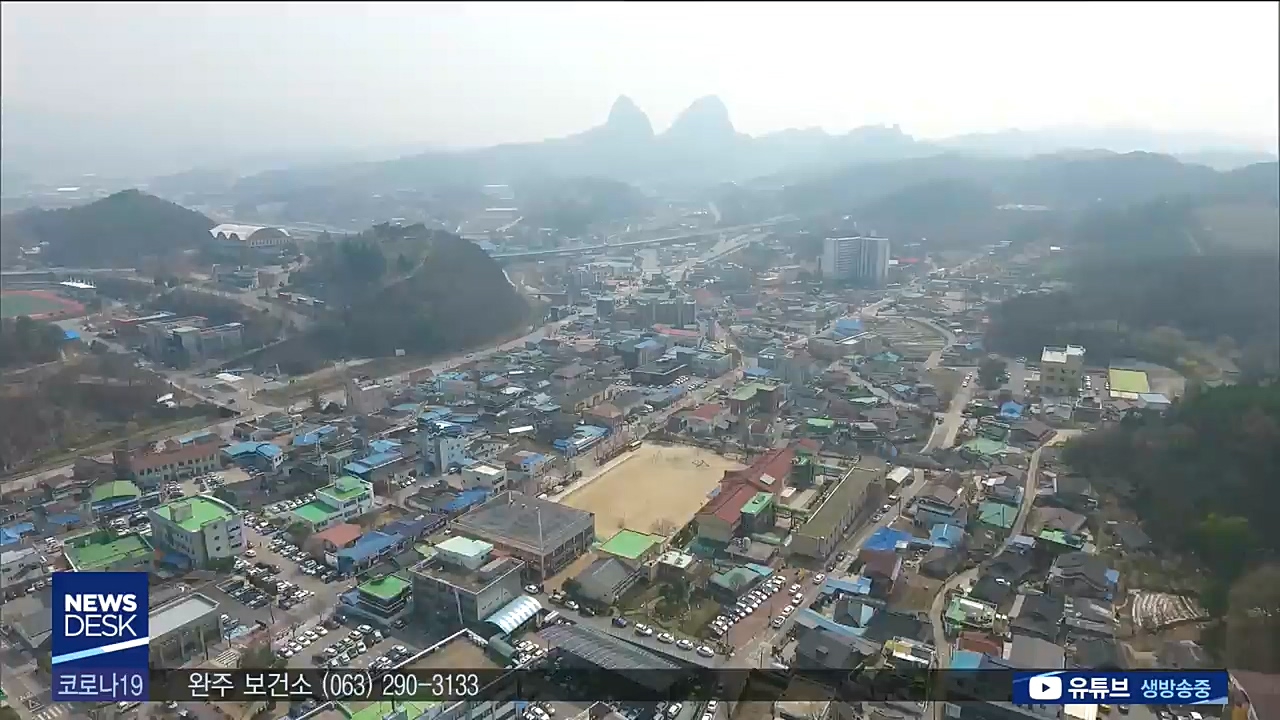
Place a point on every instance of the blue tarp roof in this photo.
(70, 335)
(369, 545)
(886, 539)
(1011, 409)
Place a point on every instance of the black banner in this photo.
(582, 685)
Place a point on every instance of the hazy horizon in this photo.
(255, 78)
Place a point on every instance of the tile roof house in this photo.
(1083, 575)
(1038, 616)
(1051, 518)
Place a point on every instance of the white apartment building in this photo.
(861, 258)
(484, 476)
(202, 528)
(1061, 370)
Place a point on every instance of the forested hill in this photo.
(421, 291)
(116, 231)
(1205, 481)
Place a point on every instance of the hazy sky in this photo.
(462, 74)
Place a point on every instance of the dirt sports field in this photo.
(655, 489)
(38, 305)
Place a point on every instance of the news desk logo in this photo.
(100, 636)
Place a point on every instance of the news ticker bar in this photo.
(577, 685)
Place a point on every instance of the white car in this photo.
(666, 638)
(817, 579)
(705, 651)
(788, 610)
(778, 621)
(643, 630)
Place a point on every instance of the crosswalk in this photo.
(51, 712)
(228, 659)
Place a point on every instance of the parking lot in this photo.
(330, 644)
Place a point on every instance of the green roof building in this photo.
(198, 531)
(346, 499)
(107, 551)
(384, 598)
(634, 546)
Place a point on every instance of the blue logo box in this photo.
(1140, 687)
(100, 636)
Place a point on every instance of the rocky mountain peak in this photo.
(627, 117)
(706, 118)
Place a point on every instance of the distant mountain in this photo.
(1218, 152)
(957, 199)
(118, 230)
(701, 148)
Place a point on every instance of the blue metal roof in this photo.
(966, 660)
(854, 586)
(461, 501)
(515, 613)
(943, 535)
(383, 446)
(369, 545)
(886, 539)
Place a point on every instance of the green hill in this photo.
(116, 231)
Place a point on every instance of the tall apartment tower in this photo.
(861, 258)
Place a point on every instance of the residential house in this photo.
(707, 419)
(940, 505)
(1080, 574)
(1095, 653)
(1037, 616)
(884, 567)
(1088, 617)
(997, 517)
(1072, 492)
(1030, 430)
(1009, 565)
(605, 580)
(1053, 518)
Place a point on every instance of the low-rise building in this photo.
(545, 535)
(20, 568)
(347, 498)
(202, 529)
(483, 476)
(381, 600)
(461, 583)
(1061, 370)
(106, 551)
(170, 460)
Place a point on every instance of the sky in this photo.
(459, 74)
